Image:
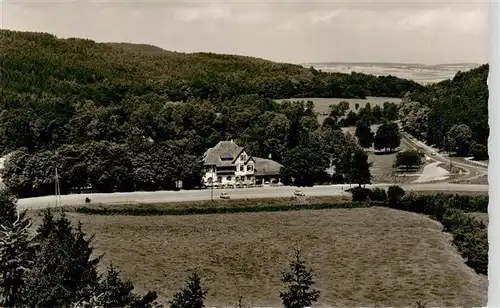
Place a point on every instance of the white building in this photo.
(228, 164)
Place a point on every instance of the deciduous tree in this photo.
(387, 137)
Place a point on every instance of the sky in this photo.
(418, 31)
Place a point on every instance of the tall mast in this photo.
(57, 190)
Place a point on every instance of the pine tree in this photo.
(16, 257)
(8, 208)
(115, 292)
(298, 281)
(190, 296)
(46, 227)
(64, 271)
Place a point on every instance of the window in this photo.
(210, 180)
(219, 179)
(228, 178)
(226, 157)
(237, 179)
(249, 167)
(243, 157)
(242, 168)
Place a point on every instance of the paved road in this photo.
(472, 171)
(244, 193)
(432, 172)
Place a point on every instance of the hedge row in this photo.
(223, 210)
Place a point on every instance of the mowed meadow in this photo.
(360, 257)
(322, 105)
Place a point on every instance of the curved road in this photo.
(472, 171)
(243, 193)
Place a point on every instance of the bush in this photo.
(479, 151)
(394, 194)
(470, 237)
(378, 194)
(360, 194)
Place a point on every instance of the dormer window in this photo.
(226, 157)
(243, 157)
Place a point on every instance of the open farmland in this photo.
(371, 256)
(322, 105)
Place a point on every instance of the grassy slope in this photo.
(373, 256)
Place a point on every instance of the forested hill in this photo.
(107, 72)
(432, 112)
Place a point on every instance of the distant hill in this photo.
(461, 100)
(42, 63)
(142, 48)
(421, 73)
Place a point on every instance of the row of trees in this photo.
(377, 114)
(451, 114)
(387, 137)
(56, 267)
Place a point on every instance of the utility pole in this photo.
(212, 191)
(57, 190)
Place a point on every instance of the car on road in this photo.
(298, 192)
(224, 195)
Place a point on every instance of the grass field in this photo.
(322, 105)
(382, 169)
(361, 257)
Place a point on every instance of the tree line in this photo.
(452, 114)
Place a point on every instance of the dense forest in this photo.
(81, 69)
(125, 117)
(452, 114)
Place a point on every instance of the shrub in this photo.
(360, 194)
(394, 194)
(378, 194)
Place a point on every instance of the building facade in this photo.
(228, 164)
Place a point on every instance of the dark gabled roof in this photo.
(213, 156)
(265, 166)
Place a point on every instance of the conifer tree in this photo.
(190, 296)
(8, 208)
(16, 257)
(114, 292)
(298, 280)
(64, 271)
